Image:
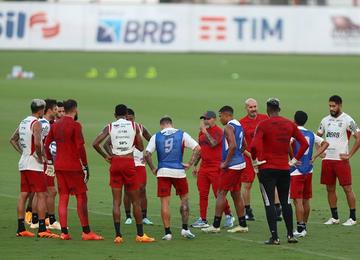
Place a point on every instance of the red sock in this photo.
(63, 205)
(82, 209)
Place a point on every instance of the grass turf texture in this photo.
(186, 86)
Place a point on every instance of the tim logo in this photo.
(14, 25)
(213, 28)
(345, 28)
(136, 31)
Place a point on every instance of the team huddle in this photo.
(281, 152)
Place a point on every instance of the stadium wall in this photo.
(179, 28)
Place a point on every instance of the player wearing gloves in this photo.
(69, 165)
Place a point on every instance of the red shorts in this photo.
(248, 174)
(123, 173)
(141, 175)
(301, 186)
(32, 181)
(332, 169)
(50, 181)
(71, 182)
(230, 180)
(164, 186)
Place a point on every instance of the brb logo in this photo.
(13, 25)
(134, 31)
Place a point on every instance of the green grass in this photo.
(187, 85)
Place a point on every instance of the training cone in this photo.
(111, 73)
(131, 73)
(92, 73)
(151, 73)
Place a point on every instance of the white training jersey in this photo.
(122, 133)
(45, 128)
(26, 140)
(187, 142)
(138, 155)
(337, 131)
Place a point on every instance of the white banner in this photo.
(179, 28)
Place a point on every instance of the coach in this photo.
(271, 144)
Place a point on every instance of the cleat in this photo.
(349, 222)
(300, 234)
(28, 217)
(91, 236)
(47, 221)
(25, 234)
(272, 241)
(118, 240)
(34, 226)
(249, 215)
(229, 221)
(211, 229)
(65, 236)
(332, 221)
(147, 221)
(167, 237)
(292, 240)
(144, 239)
(128, 221)
(200, 224)
(55, 225)
(47, 234)
(187, 234)
(239, 229)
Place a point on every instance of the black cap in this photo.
(208, 114)
(273, 102)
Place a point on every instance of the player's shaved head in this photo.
(165, 120)
(121, 110)
(250, 101)
(70, 105)
(37, 105)
(300, 118)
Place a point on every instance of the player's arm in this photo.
(354, 148)
(321, 149)
(146, 134)
(230, 138)
(107, 146)
(213, 141)
(149, 150)
(97, 142)
(138, 140)
(37, 141)
(14, 141)
(190, 143)
(80, 144)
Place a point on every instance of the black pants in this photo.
(269, 180)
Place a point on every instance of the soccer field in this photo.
(186, 85)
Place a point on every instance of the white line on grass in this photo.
(231, 236)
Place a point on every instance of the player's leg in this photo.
(127, 207)
(41, 207)
(116, 194)
(307, 197)
(184, 212)
(135, 198)
(28, 212)
(343, 173)
(165, 216)
(283, 187)
(50, 204)
(328, 178)
(35, 216)
(277, 206)
(247, 195)
(240, 211)
(203, 185)
(21, 231)
(306, 206)
(297, 188)
(141, 173)
(267, 187)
